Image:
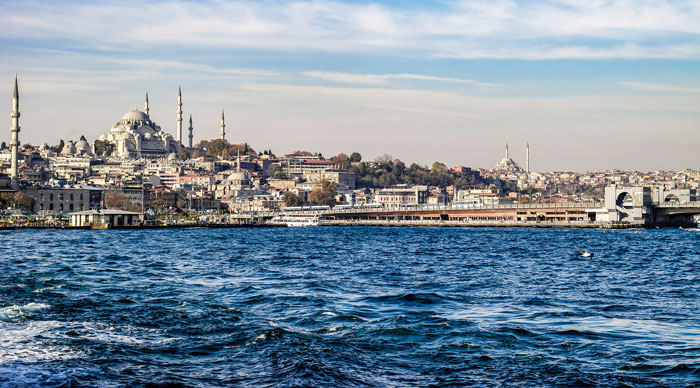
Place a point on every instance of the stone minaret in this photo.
(527, 158)
(179, 116)
(14, 143)
(190, 129)
(222, 134)
(506, 150)
(238, 160)
(145, 107)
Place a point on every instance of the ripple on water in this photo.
(353, 307)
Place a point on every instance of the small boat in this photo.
(585, 253)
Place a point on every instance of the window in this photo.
(71, 196)
(71, 207)
(51, 199)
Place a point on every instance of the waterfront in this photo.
(349, 306)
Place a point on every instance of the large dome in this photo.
(135, 115)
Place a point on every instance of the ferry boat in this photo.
(293, 220)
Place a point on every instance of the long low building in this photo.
(105, 218)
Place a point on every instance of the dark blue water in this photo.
(349, 307)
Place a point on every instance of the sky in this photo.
(591, 85)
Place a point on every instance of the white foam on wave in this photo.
(19, 342)
(15, 311)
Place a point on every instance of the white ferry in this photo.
(293, 220)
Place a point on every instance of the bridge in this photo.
(623, 207)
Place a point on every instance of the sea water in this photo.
(349, 307)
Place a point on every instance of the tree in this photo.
(59, 147)
(197, 154)
(290, 199)
(342, 161)
(22, 201)
(355, 157)
(3, 146)
(102, 148)
(324, 194)
(279, 174)
(383, 159)
(6, 200)
(183, 154)
(438, 166)
(117, 200)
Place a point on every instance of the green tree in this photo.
(355, 157)
(103, 148)
(324, 194)
(279, 174)
(291, 199)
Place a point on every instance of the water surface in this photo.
(349, 307)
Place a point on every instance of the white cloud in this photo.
(659, 87)
(384, 79)
(467, 29)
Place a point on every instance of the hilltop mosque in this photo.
(136, 136)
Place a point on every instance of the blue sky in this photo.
(591, 85)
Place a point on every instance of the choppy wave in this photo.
(349, 307)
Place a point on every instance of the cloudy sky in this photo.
(591, 85)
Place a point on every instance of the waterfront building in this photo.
(105, 218)
(64, 199)
(401, 195)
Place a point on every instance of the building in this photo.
(136, 136)
(65, 199)
(105, 218)
(395, 197)
(336, 176)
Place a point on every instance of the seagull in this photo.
(585, 253)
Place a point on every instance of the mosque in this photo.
(508, 165)
(137, 136)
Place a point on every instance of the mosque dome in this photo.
(68, 148)
(238, 177)
(508, 164)
(135, 115)
(82, 146)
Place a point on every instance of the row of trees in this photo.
(387, 172)
(18, 200)
(221, 148)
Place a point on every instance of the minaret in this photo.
(238, 159)
(222, 134)
(527, 158)
(145, 107)
(179, 116)
(506, 150)
(190, 128)
(14, 143)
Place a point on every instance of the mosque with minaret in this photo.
(137, 136)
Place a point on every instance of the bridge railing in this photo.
(676, 205)
(562, 205)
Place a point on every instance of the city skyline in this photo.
(590, 87)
